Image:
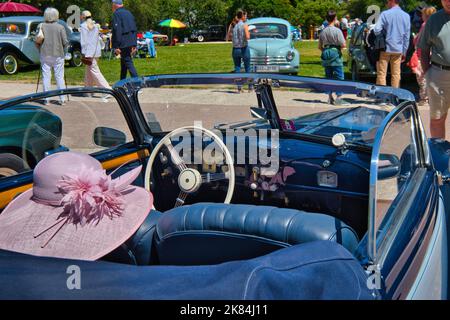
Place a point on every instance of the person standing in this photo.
(331, 42)
(344, 26)
(91, 48)
(124, 38)
(241, 51)
(435, 61)
(52, 43)
(148, 36)
(396, 26)
(415, 63)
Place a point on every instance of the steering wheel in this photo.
(189, 179)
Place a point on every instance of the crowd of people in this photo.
(390, 40)
(430, 61)
(52, 43)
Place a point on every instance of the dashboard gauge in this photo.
(209, 168)
(327, 179)
(239, 171)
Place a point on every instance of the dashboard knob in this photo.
(253, 186)
(163, 158)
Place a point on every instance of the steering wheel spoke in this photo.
(212, 177)
(181, 199)
(176, 159)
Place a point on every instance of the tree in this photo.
(312, 12)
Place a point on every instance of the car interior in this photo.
(309, 182)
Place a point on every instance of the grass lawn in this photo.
(189, 58)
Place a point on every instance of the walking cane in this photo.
(65, 82)
(38, 79)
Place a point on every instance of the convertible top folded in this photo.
(316, 270)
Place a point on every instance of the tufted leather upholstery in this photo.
(210, 233)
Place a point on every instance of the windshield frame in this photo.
(132, 86)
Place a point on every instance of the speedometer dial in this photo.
(327, 179)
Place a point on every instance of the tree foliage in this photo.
(201, 13)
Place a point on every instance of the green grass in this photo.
(189, 58)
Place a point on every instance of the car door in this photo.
(407, 231)
(29, 46)
(98, 122)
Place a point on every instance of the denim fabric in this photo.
(239, 55)
(315, 270)
(126, 64)
(151, 47)
(335, 72)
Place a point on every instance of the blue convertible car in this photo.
(273, 194)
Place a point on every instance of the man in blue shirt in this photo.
(124, 38)
(396, 25)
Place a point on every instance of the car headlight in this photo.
(290, 56)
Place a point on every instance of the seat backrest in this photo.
(211, 233)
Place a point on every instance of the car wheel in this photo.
(9, 64)
(10, 165)
(76, 58)
(355, 74)
(201, 38)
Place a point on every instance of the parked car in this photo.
(296, 33)
(362, 58)
(27, 133)
(17, 47)
(272, 46)
(360, 184)
(212, 33)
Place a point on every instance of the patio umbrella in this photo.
(14, 7)
(172, 23)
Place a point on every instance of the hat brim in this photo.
(25, 218)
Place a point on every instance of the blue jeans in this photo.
(151, 48)
(239, 55)
(335, 72)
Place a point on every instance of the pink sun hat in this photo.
(74, 210)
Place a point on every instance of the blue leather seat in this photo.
(211, 233)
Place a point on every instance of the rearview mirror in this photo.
(108, 137)
(258, 113)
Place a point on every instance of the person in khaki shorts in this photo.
(396, 25)
(435, 59)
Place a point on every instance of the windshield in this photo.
(12, 28)
(310, 112)
(303, 111)
(268, 30)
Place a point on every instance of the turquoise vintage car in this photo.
(27, 135)
(272, 46)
